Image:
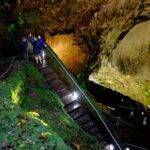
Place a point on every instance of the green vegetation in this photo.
(11, 27)
(32, 117)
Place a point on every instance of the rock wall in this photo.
(125, 52)
(132, 54)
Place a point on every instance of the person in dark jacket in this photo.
(24, 49)
(36, 48)
(42, 45)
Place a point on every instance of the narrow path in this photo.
(75, 103)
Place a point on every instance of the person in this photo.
(29, 44)
(31, 39)
(36, 48)
(41, 45)
(24, 48)
(144, 121)
(117, 120)
(122, 100)
(117, 117)
(142, 113)
(132, 114)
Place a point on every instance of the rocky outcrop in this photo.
(132, 54)
(125, 53)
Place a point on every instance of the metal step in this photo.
(83, 119)
(47, 71)
(73, 104)
(68, 101)
(41, 67)
(63, 92)
(72, 108)
(54, 84)
(94, 131)
(60, 89)
(78, 113)
(88, 125)
(103, 143)
(100, 137)
(51, 77)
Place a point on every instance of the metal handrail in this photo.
(9, 68)
(83, 93)
(135, 146)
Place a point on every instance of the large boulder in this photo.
(128, 70)
(132, 55)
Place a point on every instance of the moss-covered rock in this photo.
(133, 52)
(19, 129)
(32, 117)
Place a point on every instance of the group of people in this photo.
(143, 116)
(34, 44)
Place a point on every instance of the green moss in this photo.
(19, 129)
(11, 27)
(50, 109)
(146, 90)
(35, 76)
(40, 122)
(113, 35)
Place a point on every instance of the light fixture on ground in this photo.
(43, 54)
(110, 147)
(127, 148)
(75, 95)
(72, 96)
(75, 106)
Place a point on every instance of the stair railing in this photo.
(55, 57)
(4, 74)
